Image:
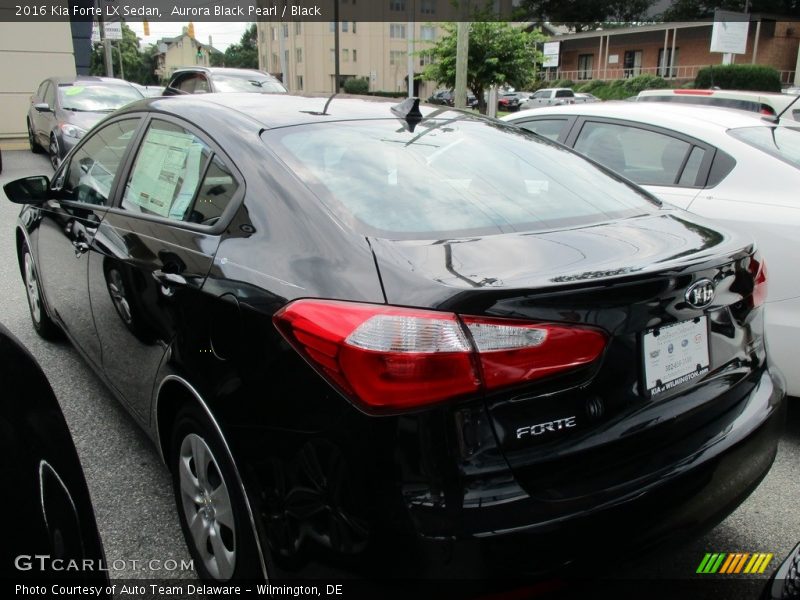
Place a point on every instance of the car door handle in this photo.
(80, 246)
(169, 279)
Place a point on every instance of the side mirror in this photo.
(29, 190)
(43, 107)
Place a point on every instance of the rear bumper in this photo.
(698, 492)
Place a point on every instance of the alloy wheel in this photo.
(207, 507)
(54, 152)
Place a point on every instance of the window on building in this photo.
(397, 4)
(632, 64)
(274, 33)
(286, 30)
(354, 27)
(585, 66)
(425, 59)
(299, 82)
(298, 55)
(427, 33)
(333, 55)
(666, 66)
(397, 30)
(275, 66)
(298, 27)
(332, 26)
(286, 58)
(345, 26)
(355, 55)
(396, 57)
(346, 55)
(428, 7)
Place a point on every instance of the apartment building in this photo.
(377, 51)
(182, 51)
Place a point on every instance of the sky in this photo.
(223, 34)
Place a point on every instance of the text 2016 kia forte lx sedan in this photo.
(391, 340)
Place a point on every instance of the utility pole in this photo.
(336, 86)
(121, 68)
(410, 61)
(462, 56)
(109, 59)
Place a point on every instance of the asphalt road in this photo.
(132, 493)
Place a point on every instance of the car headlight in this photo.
(72, 131)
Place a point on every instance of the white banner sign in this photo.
(551, 51)
(729, 34)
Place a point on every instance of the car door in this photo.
(42, 120)
(671, 165)
(156, 247)
(68, 224)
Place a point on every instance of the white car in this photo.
(729, 165)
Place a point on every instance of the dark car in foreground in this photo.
(381, 339)
(62, 110)
(50, 532)
(209, 80)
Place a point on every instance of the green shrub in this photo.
(758, 78)
(561, 83)
(388, 94)
(356, 85)
(590, 86)
(634, 85)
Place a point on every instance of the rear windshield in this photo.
(247, 83)
(780, 142)
(707, 101)
(451, 177)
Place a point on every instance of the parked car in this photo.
(447, 98)
(205, 80)
(553, 97)
(511, 101)
(785, 582)
(732, 166)
(585, 97)
(764, 103)
(51, 522)
(375, 339)
(63, 109)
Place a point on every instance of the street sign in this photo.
(113, 30)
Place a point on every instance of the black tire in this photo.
(34, 145)
(42, 323)
(54, 151)
(236, 537)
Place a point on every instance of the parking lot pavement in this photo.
(132, 493)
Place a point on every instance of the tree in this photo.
(702, 9)
(499, 54)
(133, 63)
(244, 55)
(585, 15)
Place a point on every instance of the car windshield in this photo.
(450, 177)
(780, 142)
(247, 83)
(96, 98)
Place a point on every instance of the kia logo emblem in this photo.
(700, 294)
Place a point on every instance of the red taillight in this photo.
(766, 110)
(392, 358)
(758, 268)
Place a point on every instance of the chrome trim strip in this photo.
(217, 428)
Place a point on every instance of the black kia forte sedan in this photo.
(388, 340)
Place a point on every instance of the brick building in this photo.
(672, 50)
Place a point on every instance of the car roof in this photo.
(221, 71)
(87, 80)
(691, 117)
(270, 110)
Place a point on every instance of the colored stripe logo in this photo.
(734, 563)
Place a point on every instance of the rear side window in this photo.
(450, 177)
(564, 94)
(549, 128)
(644, 156)
(176, 176)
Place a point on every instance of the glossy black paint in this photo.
(45, 501)
(445, 491)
